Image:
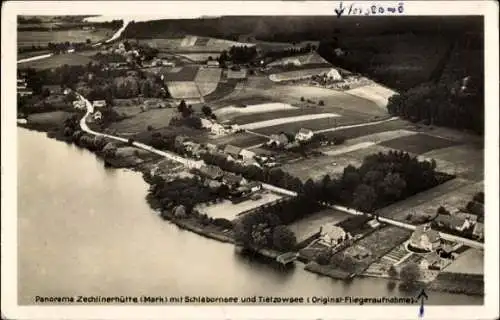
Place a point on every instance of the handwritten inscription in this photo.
(368, 9)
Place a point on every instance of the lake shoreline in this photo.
(210, 231)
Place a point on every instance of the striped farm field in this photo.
(305, 59)
(187, 73)
(418, 143)
(298, 74)
(254, 109)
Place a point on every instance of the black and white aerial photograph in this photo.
(278, 160)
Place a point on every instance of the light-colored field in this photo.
(42, 38)
(374, 92)
(156, 118)
(199, 57)
(183, 89)
(188, 41)
(228, 210)
(276, 122)
(256, 108)
(310, 58)
(298, 74)
(71, 59)
(310, 225)
(471, 262)
(222, 44)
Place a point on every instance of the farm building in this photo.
(232, 180)
(237, 74)
(453, 222)
(304, 135)
(79, 105)
(211, 172)
(218, 129)
(331, 234)
(278, 140)
(97, 115)
(99, 103)
(426, 239)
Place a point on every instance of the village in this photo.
(286, 158)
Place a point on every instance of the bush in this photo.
(130, 141)
(150, 128)
(223, 223)
(442, 210)
(321, 103)
(410, 274)
(338, 140)
(323, 258)
(302, 99)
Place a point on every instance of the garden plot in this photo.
(183, 90)
(227, 210)
(310, 225)
(297, 75)
(469, 262)
(276, 122)
(418, 143)
(374, 92)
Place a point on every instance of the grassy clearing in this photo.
(156, 118)
(296, 75)
(48, 119)
(305, 59)
(468, 160)
(310, 225)
(371, 129)
(301, 121)
(72, 59)
(26, 39)
(374, 92)
(223, 89)
(419, 143)
(254, 112)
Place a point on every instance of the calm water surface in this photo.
(87, 230)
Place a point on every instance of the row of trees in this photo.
(261, 229)
(289, 52)
(238, 55)
(438, 105)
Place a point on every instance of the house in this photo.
(211, 147)
(206, 124)
(254, 186)
(97, 115)
(431, 261)
(304, 135)
(478, 231)
(99, 103)
(213, 63)
(334, 75)
(331, 234)
(71, 50)
(211, 172)
(373, 223)
(278, 140)
(232, 180)
(217, 129)
(465, 215)
(425, 238)
(21, 84)
(247, 154)
(232, 151)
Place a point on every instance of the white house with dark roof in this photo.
(99, 103)
(332, 235)
(246, 154)
(425, 238)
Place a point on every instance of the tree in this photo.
(182, 106)
(410, 274)
(207, 111)
(442, 210)
(393, 185)
(364, 198)
(284, 239)
(393, 272)
(323, 258)
(88, 41)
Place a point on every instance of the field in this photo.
(374, 92)
(303, 120)
(418, 143)
(470, 262)
(26, 39)
(72, 59)
(183, 89)
(296, 75)
(24, 55)
(230, 211)
(311, 224)
(156, 118)
(199, 57)
(191, 44)
(187, 73)
(311, 58)
(207, 80)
